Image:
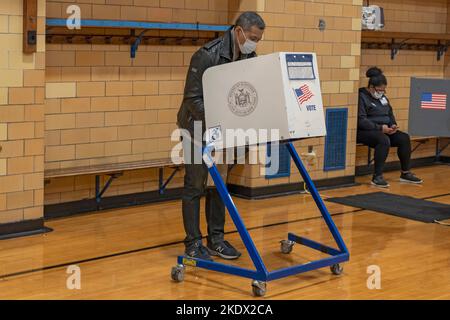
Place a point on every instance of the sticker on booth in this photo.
(215, 134)
(303, 94)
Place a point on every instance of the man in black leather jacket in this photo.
(238, 43)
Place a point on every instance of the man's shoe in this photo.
(410, 177)
(224, 250)
(379, 181)
(198, 251)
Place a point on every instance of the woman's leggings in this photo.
(382, 142)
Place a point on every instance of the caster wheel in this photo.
(259, 288)
(177, 273)
(337, 269)
(286, 246)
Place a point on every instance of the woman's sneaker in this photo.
(379, 181)
(410, 177)
(198, 251)
(224, 250)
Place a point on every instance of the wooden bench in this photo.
(115, 171)
(420, 141)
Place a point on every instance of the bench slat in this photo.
(412, 139)
(107, 168)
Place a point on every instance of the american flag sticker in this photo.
(437, 101)
(303, 94)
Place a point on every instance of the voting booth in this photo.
(279, 93)
(429, 109)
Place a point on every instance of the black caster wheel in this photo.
(177, 273)
(259, 288)
(286, 246)
(337, 269)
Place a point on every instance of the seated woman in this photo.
(378, 129)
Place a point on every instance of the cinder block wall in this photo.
(112, 108)
(414, 15)
(104, 107)
(406, 16)
(21, 117)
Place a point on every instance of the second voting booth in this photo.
(429, 110)
(278, 93)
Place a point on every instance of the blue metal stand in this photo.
(261, 275)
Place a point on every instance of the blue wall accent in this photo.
(336, 139)
(53, 22)
(284, 161)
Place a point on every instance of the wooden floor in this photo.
(128, 253)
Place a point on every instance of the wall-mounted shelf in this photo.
(57, 31)
(405, 35)
(406, 41)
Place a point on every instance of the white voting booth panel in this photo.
(279, 91)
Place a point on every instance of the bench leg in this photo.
(162, 184)
(419, 143)
(370, 160)
(97, 189)
(99, 193)
(439, 150)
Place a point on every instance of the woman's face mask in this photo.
(249, 46)
(377, 93)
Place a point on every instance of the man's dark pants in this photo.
(195, 186)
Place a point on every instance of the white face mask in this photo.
(378, 95)
(249, 46)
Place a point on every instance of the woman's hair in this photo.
(376, 77)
